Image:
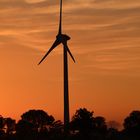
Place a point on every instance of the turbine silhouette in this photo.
(63, 38)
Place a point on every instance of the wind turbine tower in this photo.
(63, 38)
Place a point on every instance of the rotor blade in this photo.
(69, 53)
(60, 22)
(56, 43)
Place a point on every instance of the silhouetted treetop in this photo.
(37, 117)
(82, 120)
(133, 120)
(100, 122)
(83, 113)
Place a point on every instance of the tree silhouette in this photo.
(82, 121)
(132, 126)
(38, 125)
(133, 120)
(100, 128)
(2, 124)
(10, 124)
(56, 130)
(100, 124)
(39, 118)
(25, 130)
(113, 134)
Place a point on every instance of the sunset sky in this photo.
(105, 40)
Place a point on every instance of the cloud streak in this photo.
(108, 27)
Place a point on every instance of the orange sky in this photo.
(105, 42)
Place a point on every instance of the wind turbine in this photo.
(63, 38)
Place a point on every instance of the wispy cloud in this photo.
(107, 30)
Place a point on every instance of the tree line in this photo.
(39, 125)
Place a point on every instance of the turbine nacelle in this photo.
(63, 38)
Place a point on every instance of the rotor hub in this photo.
(63, 37)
